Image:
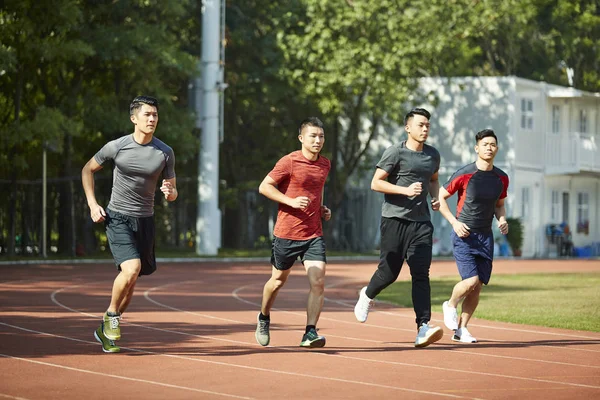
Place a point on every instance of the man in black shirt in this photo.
(481, 188)
(406, 174)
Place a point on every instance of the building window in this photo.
(583, 213)
(582, 121)
(554, 210)
(525, 203)
(555, 119)
(527, 114)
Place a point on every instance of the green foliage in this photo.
(68, 72)
(515, 234)
(72, 67)
(69, 68)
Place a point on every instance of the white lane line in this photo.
(7, 396)
(235, 294)
(437, 368)
(367, 359)
(87, 371)
(147, 297)
(369, 384)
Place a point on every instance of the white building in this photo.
(549, 139)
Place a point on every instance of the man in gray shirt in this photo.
(138, 161)
(406, 174)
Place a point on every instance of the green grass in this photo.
(569, 301)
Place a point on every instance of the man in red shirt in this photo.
(297, 183)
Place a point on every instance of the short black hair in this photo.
(137, 103)
(485, 133)
(416, 111)
(310, 121)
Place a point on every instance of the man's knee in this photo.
(386, 275)
(277, 283)
(317, 284)
(278, 278)
(131, 269)
(472, 284)
(316, 275)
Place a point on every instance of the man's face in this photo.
(146, 119)
(486, 148)
(312, 139)
(418, 128)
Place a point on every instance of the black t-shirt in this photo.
(478, 192)
(406, 167)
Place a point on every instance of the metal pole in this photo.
(208, 222)
(44, 199)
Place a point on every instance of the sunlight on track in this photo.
(236, 295)
(86, 371)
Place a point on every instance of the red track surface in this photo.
(189, 334)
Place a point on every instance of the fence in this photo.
(248, 219)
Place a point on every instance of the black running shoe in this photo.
(312, 339)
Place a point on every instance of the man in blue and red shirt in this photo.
(481, 191)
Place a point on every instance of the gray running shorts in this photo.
(131, 238)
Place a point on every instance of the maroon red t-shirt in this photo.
(295, 176)
(478, 193)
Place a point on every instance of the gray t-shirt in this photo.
(405, 167)
(137, 169)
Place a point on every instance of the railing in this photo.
(572, 154)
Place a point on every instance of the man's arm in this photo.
(268, 188)
(169, 189)
(325, 211)
(500, 213)
(87, 179)
(461, 229)
(380, 184)
(434, 191)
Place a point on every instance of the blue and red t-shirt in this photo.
(478, 193)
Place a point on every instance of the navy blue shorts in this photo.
(474, 255)
(285, 252)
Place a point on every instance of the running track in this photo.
(189, 334)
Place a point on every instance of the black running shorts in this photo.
(131, 238)
(285, 252)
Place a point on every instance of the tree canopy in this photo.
(69, 68)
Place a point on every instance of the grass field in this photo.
(570, 301)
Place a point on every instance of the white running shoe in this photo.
(450, 316)
(464, 336)
(427, 335)
(363, 305)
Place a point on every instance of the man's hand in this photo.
(503, 225)
(415, 189)
(435, 204)
(461, 229)
(97, 213)
(325, 213)
(300, 202)
(167, 189)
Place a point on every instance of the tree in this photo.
(262, 111)
(74, 66)
(358, 62)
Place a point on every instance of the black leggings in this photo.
(400, 240)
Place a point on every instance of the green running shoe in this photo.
(312, 339)
(108, 346)
(111, 327)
